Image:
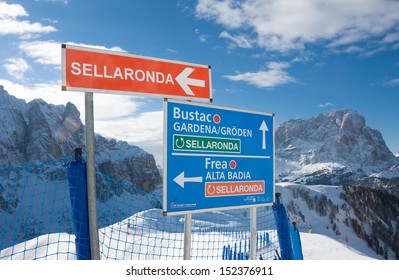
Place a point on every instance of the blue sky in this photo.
(295, 59)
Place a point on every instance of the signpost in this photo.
(93, 70)
(216, 158)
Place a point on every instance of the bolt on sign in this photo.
(94, 70)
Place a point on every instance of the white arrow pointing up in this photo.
(184, 81)
(180, 179)
(263, 127)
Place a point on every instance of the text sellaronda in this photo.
(122, 73)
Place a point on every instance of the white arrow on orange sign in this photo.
(184, 81)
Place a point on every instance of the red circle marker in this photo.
(216, 118)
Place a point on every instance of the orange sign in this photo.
(93, 70)
(215, 189)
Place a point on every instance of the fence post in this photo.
(187, 236)
(252, 241)
(296, 242)
(76, 174)
(283, 231)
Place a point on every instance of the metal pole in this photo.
(187, 237)
(91, 178)
(253, 232)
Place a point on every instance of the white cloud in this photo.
(277, 65)
(393, 82)
(16, 67)
(171, 50)
(50, 92)
(144, 130)
(113, 107)
(43, 52)
(106, 106)
(49, 52)
(11, 11)
(201, 37)
(223, 12)
(65, 2)
(391, 38)
(284, 25)
(10, 24)
(353, 49)
(324, 105)
(239, 40)
(274, 76)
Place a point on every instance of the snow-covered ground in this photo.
(346, 243)
(61, 246)
(321, 247)
(130, 245)
(150, 235)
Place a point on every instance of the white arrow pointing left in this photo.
(181, 180)
(184, 81)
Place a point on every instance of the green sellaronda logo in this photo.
(210, 144)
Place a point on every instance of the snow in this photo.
(392, 172)
(55, 246)
(134, 243)
(321, 247)
(61, 246)
(152, 233)
(347, 245)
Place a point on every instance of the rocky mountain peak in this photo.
(40, 132)
(341, 139)
(348, 121)
(341, 136)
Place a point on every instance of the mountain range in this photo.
(337, 152)
(335, 149)
(38, 132)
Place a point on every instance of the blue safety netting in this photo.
(43, 211)
(288, 237)
(76, 174)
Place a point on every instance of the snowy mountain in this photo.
(337, 148)
(37, 132)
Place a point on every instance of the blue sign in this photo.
(216, 158)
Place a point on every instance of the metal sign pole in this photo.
(187, 237)
(253, 232)
(91, 177)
